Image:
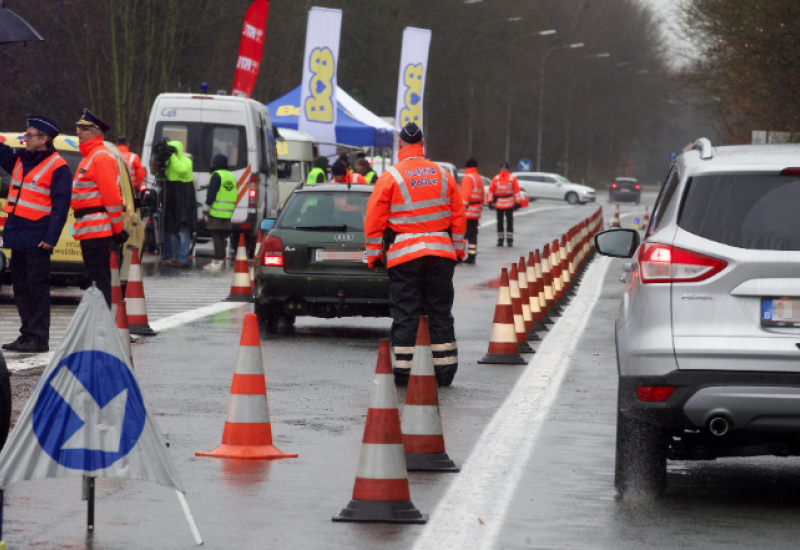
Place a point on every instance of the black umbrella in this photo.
(14, 28)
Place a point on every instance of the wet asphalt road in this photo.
(318, 383)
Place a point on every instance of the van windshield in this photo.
(206, 140)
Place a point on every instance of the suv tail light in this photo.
(663, 263)
(272, 252)
(654, 394)
(252, 193)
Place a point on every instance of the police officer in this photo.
(505, 197)
(132, 161)
(364, 169)
(472, 193)
(417, 208)
(320, 172)
(37, 208)
(97, 203)
(221, 198)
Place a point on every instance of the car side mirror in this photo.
(617, 243)
(268, 223)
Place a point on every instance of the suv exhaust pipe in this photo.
(719, 426)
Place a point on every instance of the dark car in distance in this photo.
(625, 190)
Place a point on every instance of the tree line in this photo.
(602, 115)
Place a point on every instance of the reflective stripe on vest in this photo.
(225, 201)
(29, 196)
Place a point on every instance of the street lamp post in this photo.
(541, 99)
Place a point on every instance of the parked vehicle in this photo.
(708, 328)
(625, 190)
(543, 185)
(66, 265)
(237, 127)
(314, 259)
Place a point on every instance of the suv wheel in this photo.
(572, 197)
(267, 318)
(641, 464)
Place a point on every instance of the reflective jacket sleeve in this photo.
(458, 221)
(377, 220)
(466, 188)
(105, 173)
(60, 197)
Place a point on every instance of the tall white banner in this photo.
(318, 109)
(411, 83)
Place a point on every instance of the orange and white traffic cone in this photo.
(116, 289)
(381, 490)
(542, 293)
(423, 437)
(516, 306)
(134, 299)
(615, 221)
(503, 348)
(533, 293)
(121, 317)
(527, 316)
(240, 287)
(248, 431)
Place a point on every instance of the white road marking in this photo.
(527, 212)
(473, 510)
(43, 359)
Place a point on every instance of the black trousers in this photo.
(501, 231)
(472, 236)
(30, 279)
(424, 286)
(97, 264)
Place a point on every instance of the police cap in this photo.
(44, 125)
(411, 133)
(89, 119)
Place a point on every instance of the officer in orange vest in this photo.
(342, 175)
(415, 224)
(472, 193)
(505, 197)
(97, 203)
(37, 208)
(133, 162)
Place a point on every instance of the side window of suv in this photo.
(664, 199)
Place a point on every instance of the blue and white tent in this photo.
(355, 125)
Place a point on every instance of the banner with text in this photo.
(251, 47)
(411, 83)
(318, 107)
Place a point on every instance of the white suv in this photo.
(542, 185)
(708, 330)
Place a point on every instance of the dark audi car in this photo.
(314, 261)
(625, 190)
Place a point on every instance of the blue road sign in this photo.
(89, 412)
(672, 156)
(525, 165)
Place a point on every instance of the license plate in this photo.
(332, 255)
(780, 312)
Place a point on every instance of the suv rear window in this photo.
(757, 212)
(330, 210)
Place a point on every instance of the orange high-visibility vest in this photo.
(472, 193)
(422, 204)
(505, 188)
(29, 197)
(96, 186)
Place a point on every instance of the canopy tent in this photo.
(356, 125)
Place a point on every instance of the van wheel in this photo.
(641, 462)
(572, 198)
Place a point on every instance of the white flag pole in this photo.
(188, 513)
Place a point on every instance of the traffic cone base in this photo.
(381, 512)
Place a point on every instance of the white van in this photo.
(296, 153)
(237, 127)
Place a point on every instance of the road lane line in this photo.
(42, 359)
(527, 212)
(472, 511)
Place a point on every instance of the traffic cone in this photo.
(541, 284)
(256, 256)
(503, 348)
(116, 289)
(135, 302)
(423, 437)
(615, 221)
(527, 316)
(121, 317)
(240, 287)
(381, 492)
(547, 277)
(248, 431)
(533, 294)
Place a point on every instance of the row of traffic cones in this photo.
(532, 294)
